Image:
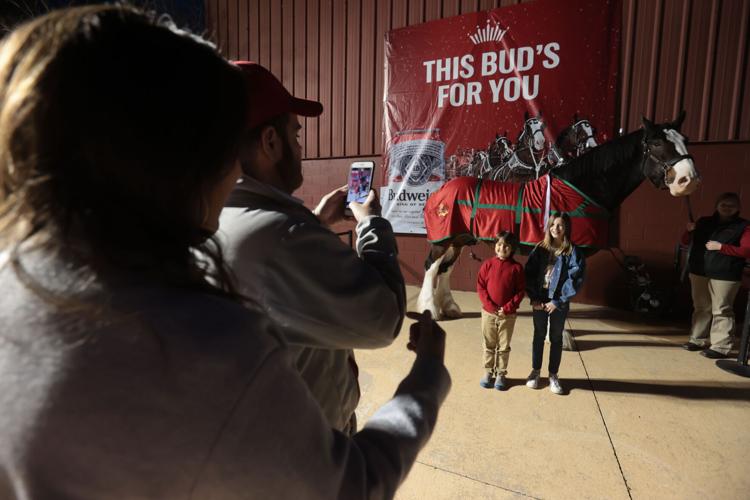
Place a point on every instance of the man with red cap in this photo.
(327, 298)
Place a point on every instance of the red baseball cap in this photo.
(268, 98)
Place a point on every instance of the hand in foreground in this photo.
(537, 306)
(550, 307)
(713, 245)
(500, 312)
(371, 206)
(425, 336)
(690, 227)
(330, 210)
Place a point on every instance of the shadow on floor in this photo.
(611, 314)
(605, 313)
(626, 317)
(464, 315)
(702, 390)
(657, 333)
(590, 345)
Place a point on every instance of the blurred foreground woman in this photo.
(125, 371)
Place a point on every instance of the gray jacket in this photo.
(175, 394)
(326, 298)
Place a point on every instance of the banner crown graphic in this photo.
(490, 33)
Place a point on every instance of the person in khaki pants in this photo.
(720, 246)
(500, 286)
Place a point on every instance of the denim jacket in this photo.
(566, 280)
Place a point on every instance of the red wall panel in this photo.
(264, 33)
(338, 75)
(288, 33)
(253, 30)
(671, 58)
(232, 29)
(382, 25)
(367, 87)
(432, 10)
(352, 88)
(311, 75)
(326, 86)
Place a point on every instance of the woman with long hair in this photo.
(554, 274)
(126, 369)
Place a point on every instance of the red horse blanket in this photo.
(483, 208)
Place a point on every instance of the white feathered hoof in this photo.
(428, 305)
(452, 311)
(568, 341)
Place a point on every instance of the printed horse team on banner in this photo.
(529, 158)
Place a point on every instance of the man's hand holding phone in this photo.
(330, 210)
(371, 206)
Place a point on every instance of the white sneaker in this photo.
(554, 384)
(533, 379)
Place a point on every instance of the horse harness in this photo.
(581, 144)
(666, 166)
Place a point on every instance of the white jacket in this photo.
(326, 298)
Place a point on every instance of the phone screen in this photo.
(360, 182)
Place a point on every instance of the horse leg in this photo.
(426, 300)
(443, 295)
(569, 342)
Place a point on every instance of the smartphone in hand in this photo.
(361, 175)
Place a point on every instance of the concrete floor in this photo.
(641, 417)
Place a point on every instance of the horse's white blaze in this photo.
(686, 177)
(677, 139)
(537, 134)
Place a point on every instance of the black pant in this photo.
(556, 325)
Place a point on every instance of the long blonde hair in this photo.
(113, 123)
(548, 242)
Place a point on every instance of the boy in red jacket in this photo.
(500, 286)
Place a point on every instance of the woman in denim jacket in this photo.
(554, 274)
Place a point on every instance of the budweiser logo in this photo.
(492, 32)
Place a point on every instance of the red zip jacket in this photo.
(501, 284)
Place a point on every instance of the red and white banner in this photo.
(459, 93)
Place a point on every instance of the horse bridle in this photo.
(581, 145)
(531, 135)
(666, 166)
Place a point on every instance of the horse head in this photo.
(500, 149)
(666, 162)
(506, 147)
(576, 139)
(532, 134)
(585, 135)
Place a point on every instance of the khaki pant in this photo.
(496, 334)
(713, 312)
